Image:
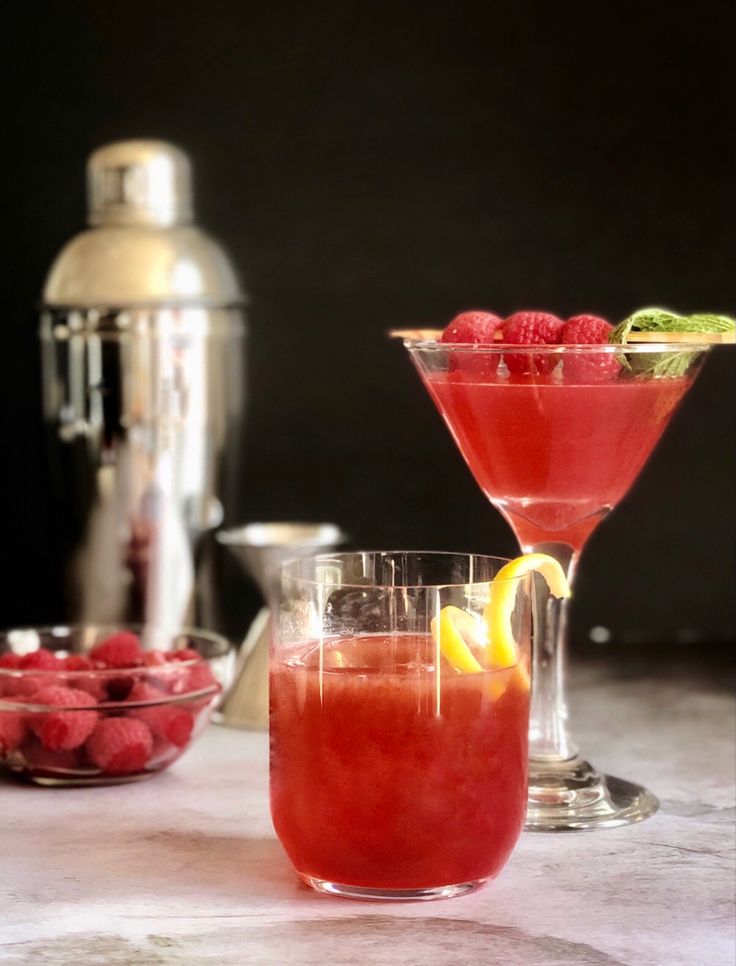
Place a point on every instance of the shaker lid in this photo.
(142, 182)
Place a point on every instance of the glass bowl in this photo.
(75, 722)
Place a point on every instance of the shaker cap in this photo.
(142, 182)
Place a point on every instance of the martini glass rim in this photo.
(545, 349)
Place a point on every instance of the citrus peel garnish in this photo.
(447, 630)
(501, 650)
(455, 626)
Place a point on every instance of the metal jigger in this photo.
(260, 548)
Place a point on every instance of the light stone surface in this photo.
(185, 868)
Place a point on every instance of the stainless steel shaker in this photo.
(141, 332)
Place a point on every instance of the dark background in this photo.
(380, 164)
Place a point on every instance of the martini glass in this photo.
(555, 436)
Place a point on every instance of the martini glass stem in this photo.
(548, 736)
(565, 791)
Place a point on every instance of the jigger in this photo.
(261, 548)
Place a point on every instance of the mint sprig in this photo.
(662, 320)
(672, 364)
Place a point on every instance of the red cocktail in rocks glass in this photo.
(398, 770)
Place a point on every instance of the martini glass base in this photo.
(572, 796)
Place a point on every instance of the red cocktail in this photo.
(385, 777)
(396, 773)
(554, 454)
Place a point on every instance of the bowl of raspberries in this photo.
(85, 705)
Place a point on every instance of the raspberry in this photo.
(120, 746)
(199, 678)
(185, 654)
(12, 731)
(8, 686)
(40, 660)
(585, 329)
(194, 680)
(531, 328)
(77, 662)
(44, 759)
(9, 682)
(20, 688)
(63, 729)
(154, 658)
(168, 721)
(141, 691)
(594, 366)
(120, 650)
(91, 683)
(476, 328)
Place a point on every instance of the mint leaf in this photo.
(666, 365)
(704, 322)
(662, 320)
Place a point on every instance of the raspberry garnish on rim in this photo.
(597, 367)
(531, 328)
(475, 328)
(472, 327)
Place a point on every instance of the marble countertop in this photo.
(185, 868)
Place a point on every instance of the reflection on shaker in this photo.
(170, 569)
(97, 572)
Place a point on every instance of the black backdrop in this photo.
(381, 164)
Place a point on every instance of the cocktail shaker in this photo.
(141, 332)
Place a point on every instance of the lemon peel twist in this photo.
(454, 627)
